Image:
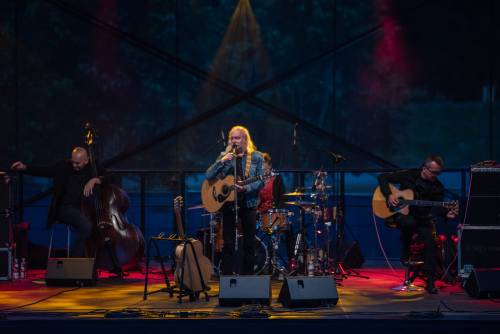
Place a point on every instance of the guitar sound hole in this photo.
(224, 189)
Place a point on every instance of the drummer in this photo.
(271, 195)
(271, 198)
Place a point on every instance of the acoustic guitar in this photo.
(406, 199)
(216, 192)
(191, 279)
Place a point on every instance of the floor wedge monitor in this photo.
(239, 290)
(305, 291)
(71, 272)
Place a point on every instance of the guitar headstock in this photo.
(178, 203)
(89, 134)
(269, 174)
(452, 205)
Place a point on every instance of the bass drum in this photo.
(260, 252)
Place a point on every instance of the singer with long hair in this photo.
(242, 157)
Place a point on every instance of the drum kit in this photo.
(294, 240)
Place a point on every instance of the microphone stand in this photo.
(235, 203)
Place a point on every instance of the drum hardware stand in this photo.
(171, 289)
(339, 269)
(272, 259)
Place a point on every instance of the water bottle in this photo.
(310, 268)
(22, 268)
(15, 270)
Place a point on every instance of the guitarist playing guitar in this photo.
(242, 159)
(425, 186)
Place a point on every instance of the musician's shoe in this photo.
(431, 289)
(117, 273)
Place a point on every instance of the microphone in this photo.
(222, 136)
(337, 157)
(295, 134)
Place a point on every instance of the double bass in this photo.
(117, 244)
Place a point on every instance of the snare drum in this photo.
(275, 220)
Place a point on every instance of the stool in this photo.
(413, 266)
(52, 238)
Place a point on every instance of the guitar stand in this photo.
(181, 290)
(154, 241)
(193, 295)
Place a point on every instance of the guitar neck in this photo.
(178, 221)
(424, 203)
(251, 180)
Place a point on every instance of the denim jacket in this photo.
(222, 169)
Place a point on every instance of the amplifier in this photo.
(5, 263)
(6, 193)
(478, 247)
(6, 235)
(483, 204)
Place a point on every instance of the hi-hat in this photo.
(295, 193)
(302, 204)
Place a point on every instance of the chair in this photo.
(52, 239)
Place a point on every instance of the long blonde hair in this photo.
(250, 145)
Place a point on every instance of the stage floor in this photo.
(359, 298)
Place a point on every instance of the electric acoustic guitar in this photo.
(216, 192)
(191, 279)
(406, 199)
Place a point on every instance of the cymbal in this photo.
(195, 207)
(311, 188)
(302, 204)
(295, 193)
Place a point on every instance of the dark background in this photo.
(383, 83)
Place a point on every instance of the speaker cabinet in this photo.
(239, 290)
(6, 234)
(6, 196)
(304, 291)
(478, 247)
(71, 272)
(483, 283)
(483, 208)
(5, 263)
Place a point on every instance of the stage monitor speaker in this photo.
(483, 283)
(71, 272)
(239, 290)
(304, 291)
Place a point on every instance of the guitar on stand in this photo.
(193, 269)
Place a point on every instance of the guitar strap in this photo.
(247, 165)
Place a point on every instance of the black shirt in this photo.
(423, 189)
(73, 189)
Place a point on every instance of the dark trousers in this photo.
(82, 226)
(408, 226)
(247, 217)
